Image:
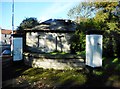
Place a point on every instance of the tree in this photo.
(104, 20)
(117, 10)
(82, 14)
(28, 23)
(82, 10)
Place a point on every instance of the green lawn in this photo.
(107, 76)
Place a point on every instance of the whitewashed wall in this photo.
(5, 39)
(47, 41)
(69, 61)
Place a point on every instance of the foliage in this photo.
(82, 10)
(28, 23)
(104, 20)
(78, 39)
(77, 42)
(111, 64)
(110, 25)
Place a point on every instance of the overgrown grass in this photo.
(107, 76)
(112, 64)
(54, 77)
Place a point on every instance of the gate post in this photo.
(17, 51)
(94, 48)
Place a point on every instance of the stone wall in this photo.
(54, 62)
(48, 42)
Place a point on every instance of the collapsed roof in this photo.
(56, 24)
